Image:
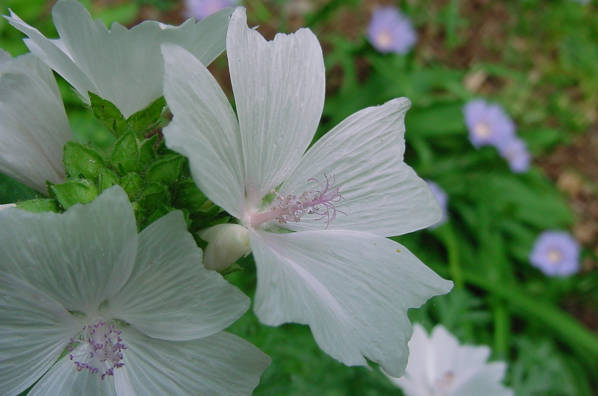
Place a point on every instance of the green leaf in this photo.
(82, 161)
(73, 192)
(39, 205)
(166, 170)
(108, 114)
(190, 197)
(147, 151)
(125, 155)
(147, 119)
(132, 184)
(154, 196)
(437, 120)
(106, 179)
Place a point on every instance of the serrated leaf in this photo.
(108, 114)
(73, 192)
(147, 118)
(82, 161)
(154, 196)
(190, 197)
(39, 205)
(125, 154)
(147, 152)
(132, 184)
(106, 179)
(166, 170)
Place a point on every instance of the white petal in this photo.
(416, 372)
(486, 381)
(54, 56)
(4, 56)
(80, 257)
(123, 66)
(33, 124)
(221, 364)
(170, 294)
(279, 93)
(352, 288)
(64, 380)
(34, 330)
(363, 155)
(204, 129)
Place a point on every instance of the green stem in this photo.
(452, 248)
(502, 327)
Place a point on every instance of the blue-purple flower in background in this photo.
(556, 253)
(442, 198)
(514, 150)
(488, 124)
(200, 9)
(391, 31)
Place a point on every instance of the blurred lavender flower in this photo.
(488, 124)
(199, 9)
(556, 253)
(442, 199)
(515, 151)
(391, 31)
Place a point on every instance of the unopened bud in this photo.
(226, 244)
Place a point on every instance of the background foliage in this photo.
(537, 59)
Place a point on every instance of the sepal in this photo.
(74, 191)
(82, 161)
(38, 205)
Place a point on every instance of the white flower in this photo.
(339, 274)
(93, 308)
(439, 366)
(120, 65)
(33, 124)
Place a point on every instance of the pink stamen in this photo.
(98, 348)
(291, 208)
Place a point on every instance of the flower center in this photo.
(320, 201)
(554, 256)
(384, 39)
(482, 130)
(97, 348)
(444, 383)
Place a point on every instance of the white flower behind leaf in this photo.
(33, 123)
(121, 65)
(439, 366)
(339, 273)
(90, 307)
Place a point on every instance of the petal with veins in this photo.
(170, 295)
(33, 123)
(363, 155)
(204, 129)
(279, 92)
(121, 65)
(80, 257)
(34, 329)
(352, 288)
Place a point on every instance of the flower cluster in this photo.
(488, 124)
(111, 293)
